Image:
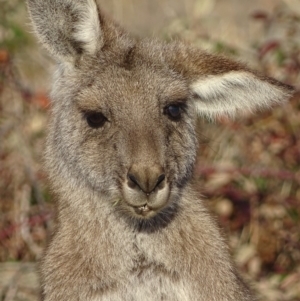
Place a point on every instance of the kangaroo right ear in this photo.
(222, 86)
(69, 28)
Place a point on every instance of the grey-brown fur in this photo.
(129, 224)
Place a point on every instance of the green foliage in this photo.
(13, 36)
(280, 56)
(294, 214)
(261, 184)
(222, 48)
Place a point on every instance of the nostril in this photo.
(160, 179)
(132, 181)
(146, 180)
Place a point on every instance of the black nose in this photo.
(146, 179)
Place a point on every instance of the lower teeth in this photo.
(144, 208)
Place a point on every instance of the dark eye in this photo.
(174, 111)
(95, 119)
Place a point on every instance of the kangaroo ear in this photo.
(222, 86)
(235, 92)
(70, 28)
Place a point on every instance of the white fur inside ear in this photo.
(88, 30)
(233, 92)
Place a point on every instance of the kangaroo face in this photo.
(132, 137)
(124, 111)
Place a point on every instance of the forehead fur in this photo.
(95, 81)
(120, 89)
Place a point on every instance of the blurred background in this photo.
(248, 170)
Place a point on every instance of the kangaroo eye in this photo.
(174, 111)
(95, 119)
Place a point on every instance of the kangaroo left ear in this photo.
(236, 92)
(67, 28)
(71, 29)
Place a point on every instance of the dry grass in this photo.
(248, 169)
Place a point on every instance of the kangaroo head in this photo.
(125, 110)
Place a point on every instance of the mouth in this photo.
(143, 210)
(150, 219)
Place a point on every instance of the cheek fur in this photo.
(181, 153)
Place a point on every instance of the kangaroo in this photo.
(120, 153)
